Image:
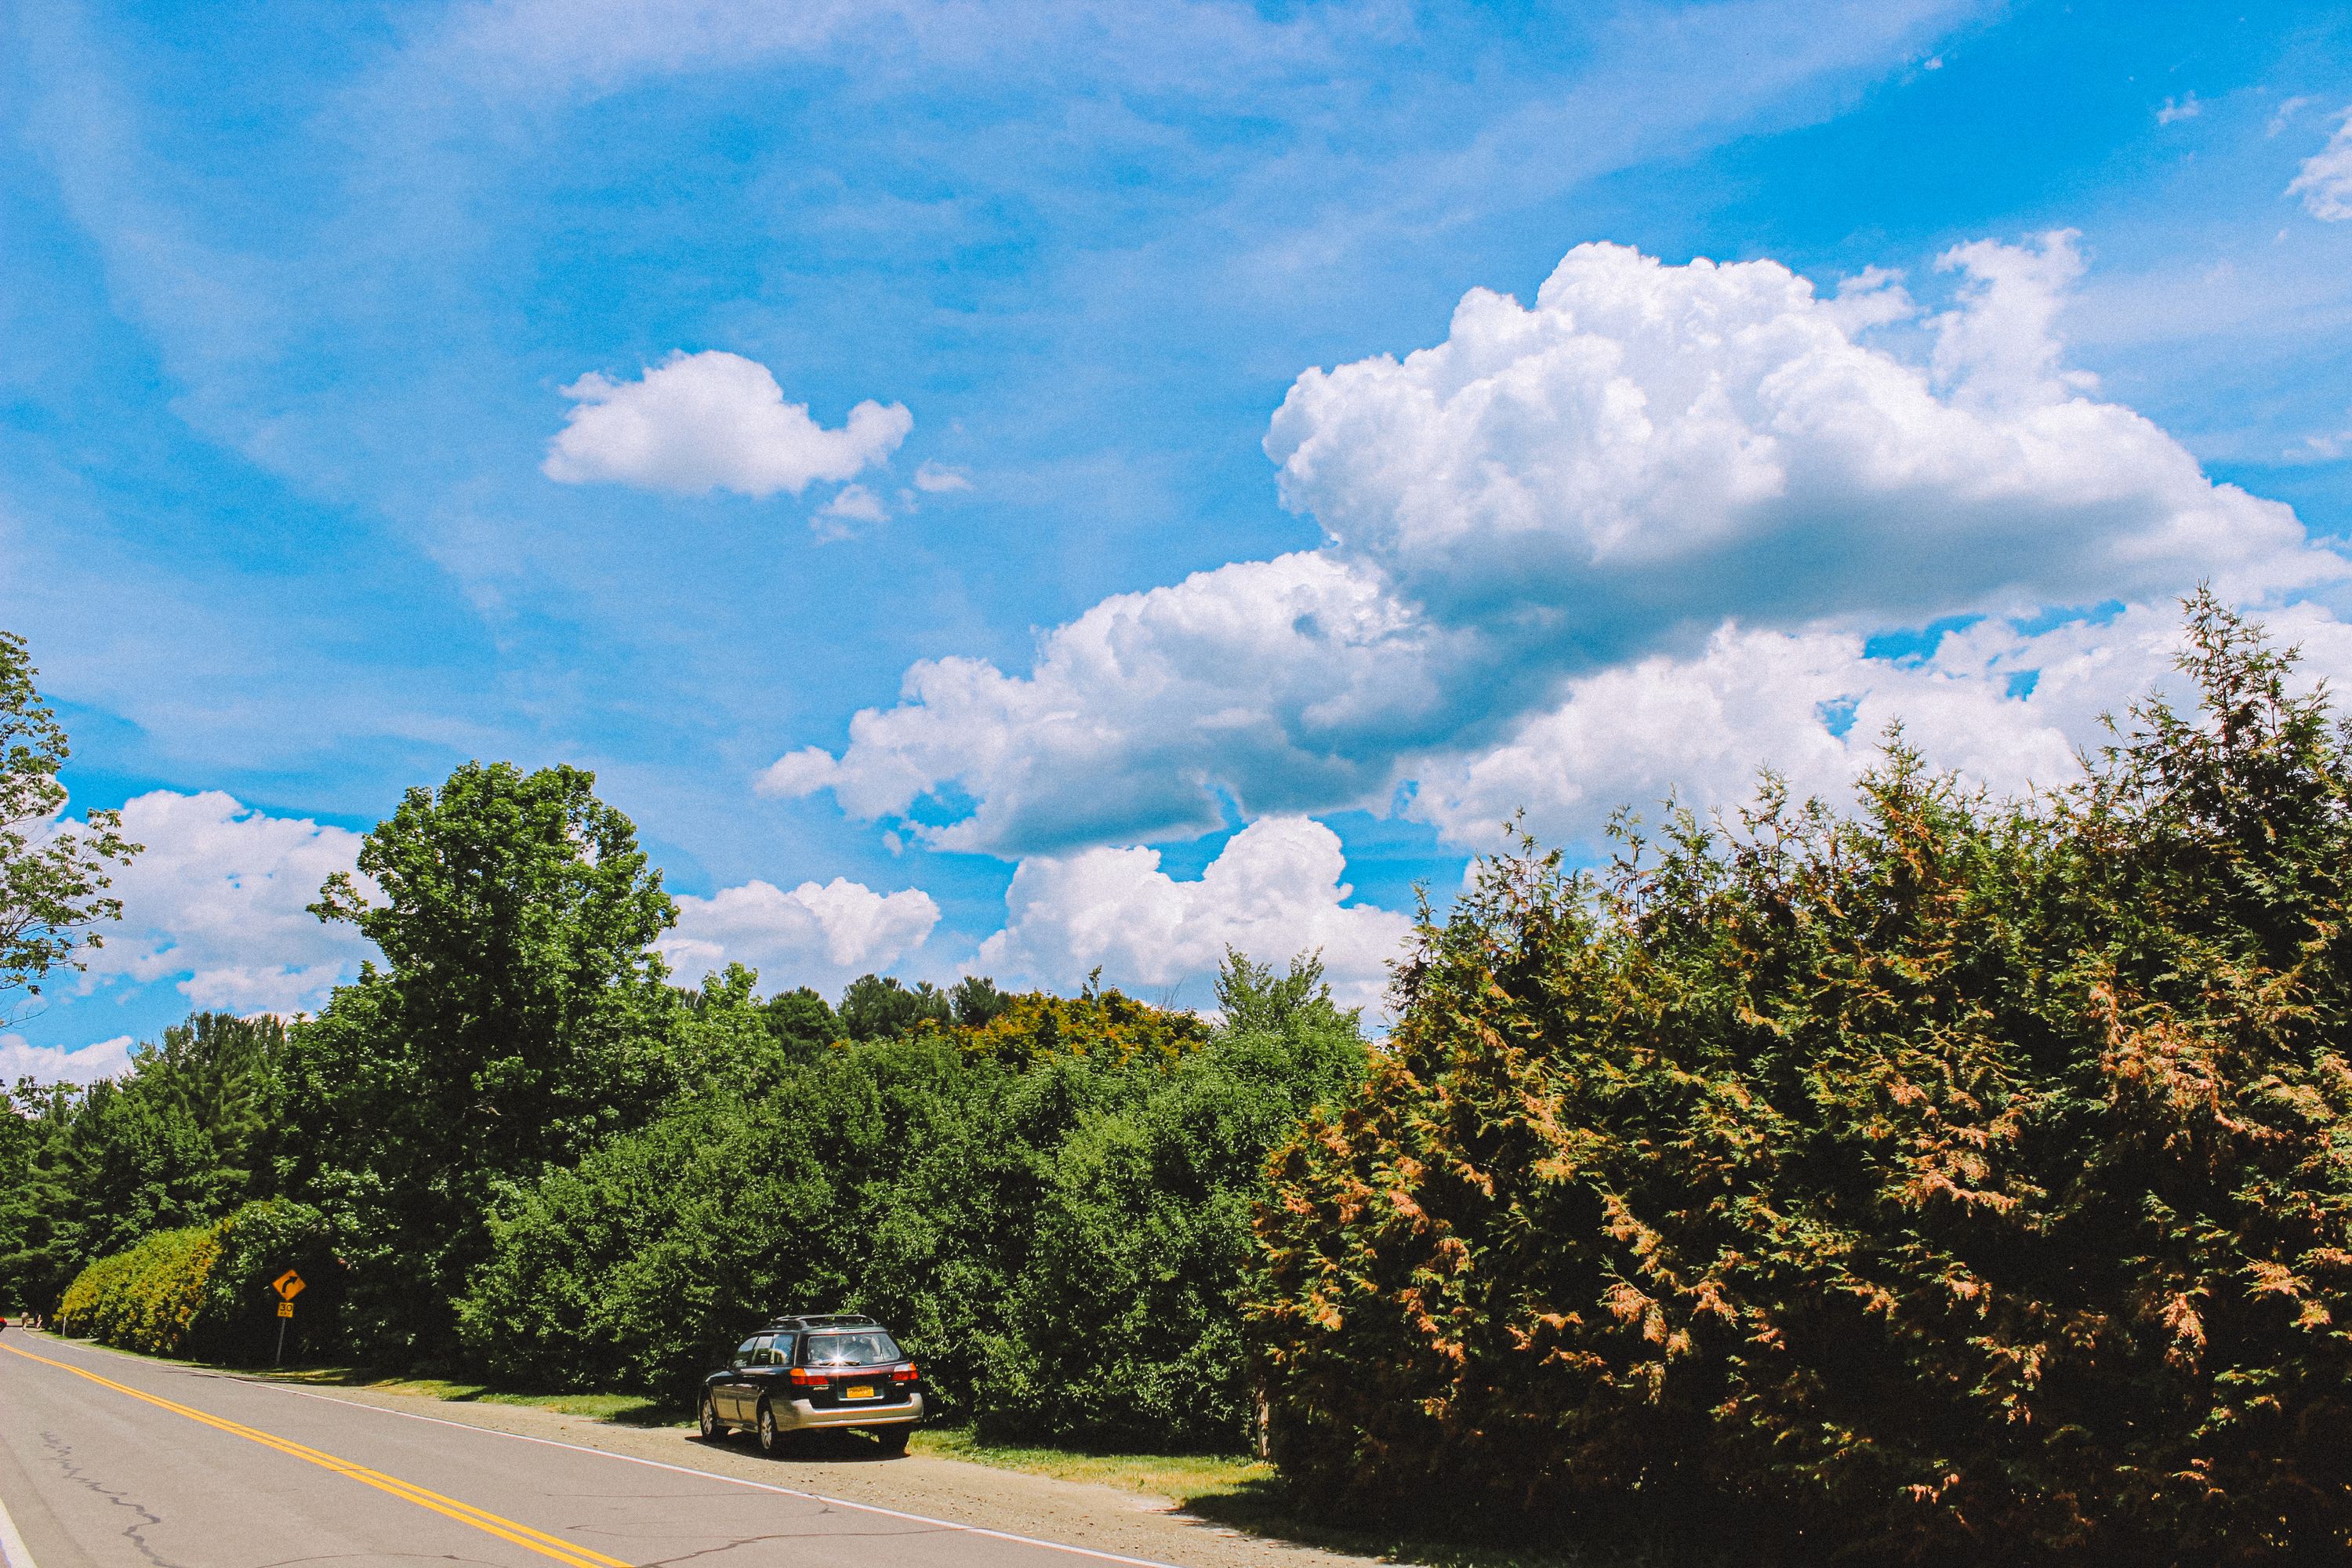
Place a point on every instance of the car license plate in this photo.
(859, 1391)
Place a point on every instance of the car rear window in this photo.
(862, 1347)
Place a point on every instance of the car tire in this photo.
(894, 1438)
(773, 1439)
(713, 1428)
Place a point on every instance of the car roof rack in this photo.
(822, 1320)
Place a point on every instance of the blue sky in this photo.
(292, 297)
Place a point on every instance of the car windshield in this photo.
(866, 1347)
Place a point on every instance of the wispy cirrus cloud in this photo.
(2324, 180)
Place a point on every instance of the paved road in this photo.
(109, 1460)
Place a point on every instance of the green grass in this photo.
(627, 1409)
(1236, 1491)
(1177, 1476)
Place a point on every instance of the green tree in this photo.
(877, 1008)
(801, 1022)
(53, 880)
(41, 1240)
(1053, 1212)
(976, 1001)
(177, 1141)
(519, 1017)
(729, 1039)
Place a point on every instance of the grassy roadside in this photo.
(1177, 1476)
(625, 1409)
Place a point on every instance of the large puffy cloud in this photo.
(1653, 447)
(53, 1064)
(1286, 682)
(712, 421)
(1554, 496)
(216, 902)
(810, 934)
(1273, 892)
(2325, 181)
(2008, 709)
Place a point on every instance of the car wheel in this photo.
(712, 1427)
(894, 1438)
(773, 1438)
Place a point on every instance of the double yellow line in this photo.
(523, 1535)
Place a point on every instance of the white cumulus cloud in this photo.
(2008, 709)
(216, 903)
(1286, 682)
(813, 934)
(708, 421)
(852, 510)
(53, 1064)
(1273, 892)
(1555, 495)
(1650, 448)
(2325, 181)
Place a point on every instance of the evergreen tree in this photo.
(879, 1007)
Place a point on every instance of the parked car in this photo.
(812, 1373)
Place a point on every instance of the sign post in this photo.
(287, 1285)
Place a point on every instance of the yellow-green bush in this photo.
(148, 1298)
(204, 1289)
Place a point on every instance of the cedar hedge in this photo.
(1953, 1182)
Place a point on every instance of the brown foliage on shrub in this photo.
(1953, 1181)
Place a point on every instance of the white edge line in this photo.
(709, 1476)
(13, 1549)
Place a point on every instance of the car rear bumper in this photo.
(800, 1416)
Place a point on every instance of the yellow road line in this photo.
(522, 1535)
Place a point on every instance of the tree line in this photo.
(512, 1145)
(1943, 1179)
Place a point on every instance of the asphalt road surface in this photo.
(109, 1460)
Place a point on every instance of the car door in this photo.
(771, 1379)
(731, 1395)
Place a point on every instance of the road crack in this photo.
(62, 1454)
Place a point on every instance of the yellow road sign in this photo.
(285, 1309)
(288, 1285)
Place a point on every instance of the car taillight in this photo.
(801, 1377)
(903, 1373)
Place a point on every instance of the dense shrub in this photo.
(1051, 1207)
(147, 1297)
(1954, 1182)
(204, 1291)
